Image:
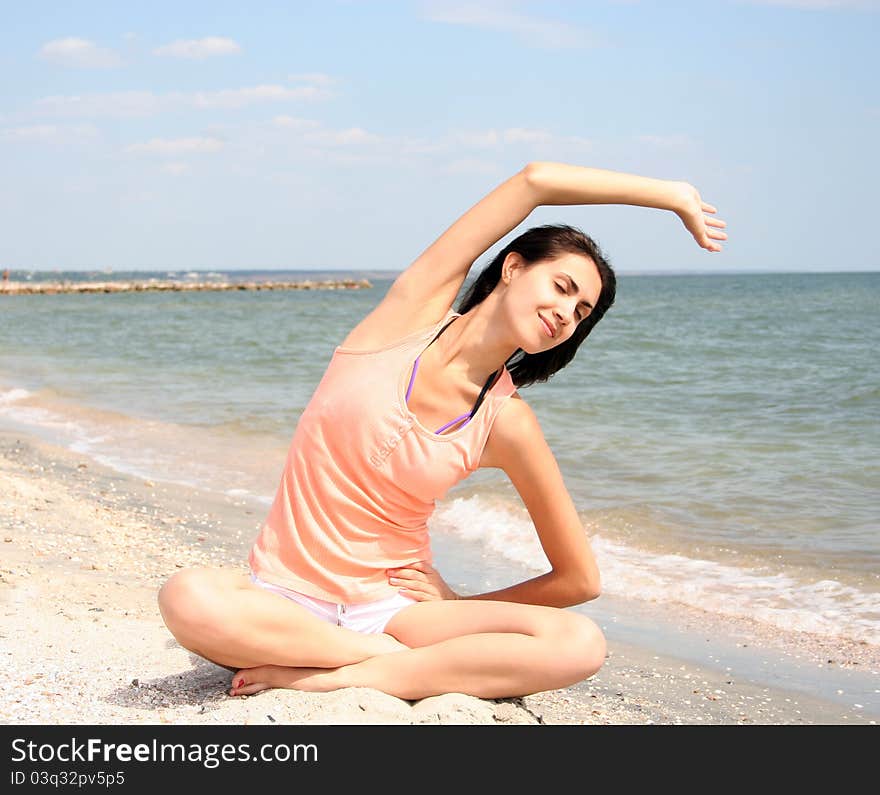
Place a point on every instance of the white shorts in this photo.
(367, 617)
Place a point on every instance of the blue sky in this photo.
(349, 135)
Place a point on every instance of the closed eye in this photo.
(562, 289)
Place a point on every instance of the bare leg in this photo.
(223, 617)
(566, 648)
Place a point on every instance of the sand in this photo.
(86, 548)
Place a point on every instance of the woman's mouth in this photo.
(547, 329)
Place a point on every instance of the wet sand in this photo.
(85, 550)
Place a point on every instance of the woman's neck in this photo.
(471, 347)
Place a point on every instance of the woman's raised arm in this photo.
(559, 183)
(436, 276)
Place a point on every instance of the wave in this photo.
(824, 607)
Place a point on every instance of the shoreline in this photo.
(86, 549)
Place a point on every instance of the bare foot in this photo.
(248, 681)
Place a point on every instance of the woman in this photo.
(341, 591)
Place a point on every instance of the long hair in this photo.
(537, 244)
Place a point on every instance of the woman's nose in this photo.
(562, 319)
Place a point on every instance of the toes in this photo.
(240, 678)
(247, 681)
(249, 689)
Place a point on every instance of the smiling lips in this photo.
(547, 327)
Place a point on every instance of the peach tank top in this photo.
(362, 476)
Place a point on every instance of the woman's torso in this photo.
(365, 468)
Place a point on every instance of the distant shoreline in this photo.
(167, 285)
(372, 273)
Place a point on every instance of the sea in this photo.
(719, 434)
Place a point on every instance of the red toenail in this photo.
(240, 683)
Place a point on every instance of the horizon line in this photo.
(393, 274)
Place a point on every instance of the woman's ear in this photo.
(512, 262)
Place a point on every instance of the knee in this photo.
(185, 600)
(585, 647)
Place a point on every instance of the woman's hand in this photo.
(690, 208)
(420, 581)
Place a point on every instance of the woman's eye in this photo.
(561, 287)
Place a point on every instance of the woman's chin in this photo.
(532, 349)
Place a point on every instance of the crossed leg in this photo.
(225, 618)
(482, 648)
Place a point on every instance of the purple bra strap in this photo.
(470, 414)
(412, 380)
(457, 419)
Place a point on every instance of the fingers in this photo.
(415, 582)
(420, 591)
(408, 574)
(715, 222)
(709, 208)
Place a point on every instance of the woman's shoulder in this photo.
(394, 321)
(512, 432)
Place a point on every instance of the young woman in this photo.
(341, 591)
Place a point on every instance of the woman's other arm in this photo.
(518, 444)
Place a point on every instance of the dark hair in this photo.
(538, 244)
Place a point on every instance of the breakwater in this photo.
(156, 285)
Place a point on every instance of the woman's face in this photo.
(547, 300)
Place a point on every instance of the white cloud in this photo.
(164, 146)
(504, 16)
(146, 103)
(311, 131)
(50, 133)
(520, 135)
(293, 123)
(116, 104)
(354, 136)
(198, 49)
(319, 78)
(239, 97)
(79, 53)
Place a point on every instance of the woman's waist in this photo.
(333, 580)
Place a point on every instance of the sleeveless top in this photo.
(362, 476)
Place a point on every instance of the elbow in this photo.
(533, 176)
(588, 592)
(582, 588)
(595, 585)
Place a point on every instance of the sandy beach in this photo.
(85, 550)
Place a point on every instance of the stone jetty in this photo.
(156, 285)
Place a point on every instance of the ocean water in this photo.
(719, 434)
